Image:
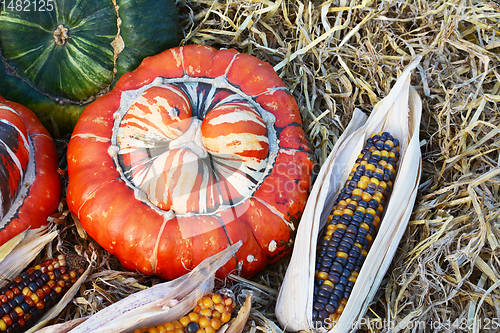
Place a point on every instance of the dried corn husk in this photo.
(17, 253)
(161, 303)
(399, 113)
(237, 324)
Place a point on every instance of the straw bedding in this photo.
(339, 55)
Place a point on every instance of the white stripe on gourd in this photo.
(27, 171)
(154, 119)
(211, 151)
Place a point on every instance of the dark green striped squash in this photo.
(58, 57)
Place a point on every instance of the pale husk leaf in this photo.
(19, 251)
(398, 113)
(64, 327)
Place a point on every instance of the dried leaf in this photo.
(237, 324)
(18, 252)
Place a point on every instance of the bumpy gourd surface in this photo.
(192, 152)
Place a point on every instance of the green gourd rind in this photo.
(57, 72)
(47, 110)
(76, 70)
(144, 31)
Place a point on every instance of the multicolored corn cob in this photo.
(30, 295)
(212, 311)
(352, 226)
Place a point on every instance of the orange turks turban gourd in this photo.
(195, 150)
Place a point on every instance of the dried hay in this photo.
(339, 55)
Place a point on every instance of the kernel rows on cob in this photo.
(352, 226)
(24, 300)
(211, 312)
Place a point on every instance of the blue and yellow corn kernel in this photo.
(352, 225)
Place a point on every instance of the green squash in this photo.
(57, 60)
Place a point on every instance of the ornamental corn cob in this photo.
(352, 226)
(212, 311)
(27, 297)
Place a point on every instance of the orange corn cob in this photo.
(212, 311)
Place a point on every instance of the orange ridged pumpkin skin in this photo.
(193, 151)
(30, 185)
